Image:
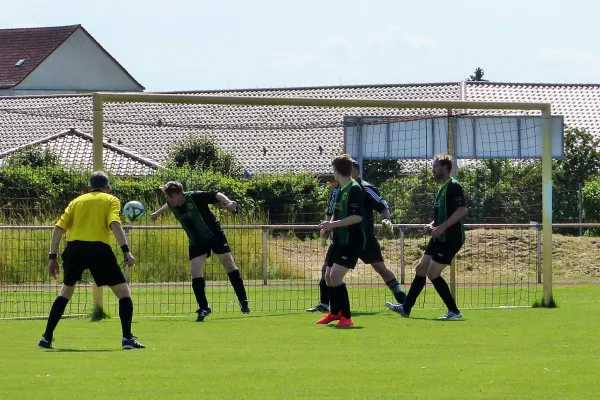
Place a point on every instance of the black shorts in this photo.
(218, 244)
(442, 252)
(98, 257)
(346, 256)
(372, 251)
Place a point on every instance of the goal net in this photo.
(273, 157)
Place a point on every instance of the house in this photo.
(58, 60)
(271, 139)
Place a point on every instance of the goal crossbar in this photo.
(99, 98)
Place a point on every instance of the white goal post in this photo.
(100, 98)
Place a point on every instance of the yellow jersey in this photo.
(88, 217)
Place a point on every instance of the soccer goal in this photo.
(273, 156)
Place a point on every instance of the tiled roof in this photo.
(74, 149)
(578, 104)
(33, 45)
(269, 138)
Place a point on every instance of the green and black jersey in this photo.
(450, 197)
(349, 201)
(372, 201)
(196, 218)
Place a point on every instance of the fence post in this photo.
(265, 254)
(580, 208)
(402, 263)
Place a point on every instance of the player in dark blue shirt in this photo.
(372, 252)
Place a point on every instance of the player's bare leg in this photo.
(236, 280)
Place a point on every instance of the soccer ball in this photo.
(133, 210)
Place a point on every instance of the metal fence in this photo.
(499, 266)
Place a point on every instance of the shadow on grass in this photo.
(86, 350)
(431, 319)
(346, 328)
(364, 313)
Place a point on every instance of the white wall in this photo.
(13, 92)
(77, 65)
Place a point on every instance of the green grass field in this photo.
(497, 353)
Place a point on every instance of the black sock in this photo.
(56, 313)
(324, 292)
(396, 289)
(344, 301)
(443, 290)
(238, 286)
(199, 284)
(126, 315)
(334, 300)
(416, 287)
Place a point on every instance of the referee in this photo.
(89, 219)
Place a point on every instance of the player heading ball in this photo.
(205, 236)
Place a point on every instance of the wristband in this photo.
(125, 248)
(52, 256)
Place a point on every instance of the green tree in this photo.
(379, 171)
(205, 155)
(580, 164)
(581, 160)
(477, 76)
(34, 157)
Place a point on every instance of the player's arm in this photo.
(53, 254)
(330, 210)
(159, 212)
(378, 202)
(114, 222)
(225, 201)
(62, 225)
(355, 210)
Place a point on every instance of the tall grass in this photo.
(162, 254)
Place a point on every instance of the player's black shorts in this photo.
(372, 251)
(346, 256)
(442, 252)
(218, 244)
(98, 257)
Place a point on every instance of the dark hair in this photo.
(356, 165)
(98, 180)
(444, 160)
(343, 164)
(172, 187)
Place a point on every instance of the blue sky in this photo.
(220, 44)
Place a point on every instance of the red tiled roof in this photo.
(33, 45)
